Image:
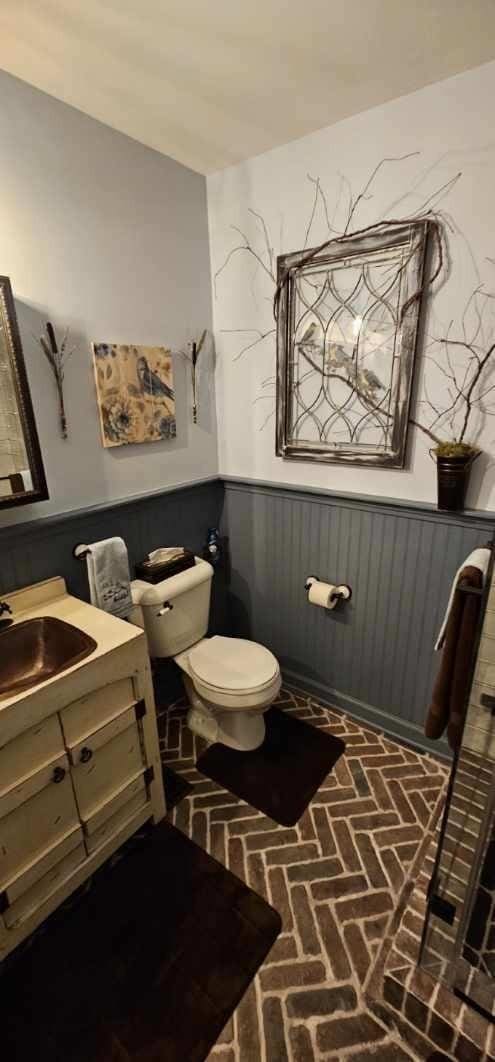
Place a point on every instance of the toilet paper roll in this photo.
(323, 594)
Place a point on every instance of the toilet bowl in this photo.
(230, 682)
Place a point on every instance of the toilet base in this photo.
(243, 731)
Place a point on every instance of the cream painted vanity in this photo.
(79, 763)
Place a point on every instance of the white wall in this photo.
(105, 236)
(450, 124)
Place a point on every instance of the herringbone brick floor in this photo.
(335, 878)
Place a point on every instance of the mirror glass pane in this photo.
(14, 465)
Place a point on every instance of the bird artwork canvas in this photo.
(135, 393)
(346, 339)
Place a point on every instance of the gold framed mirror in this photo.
(22, 476)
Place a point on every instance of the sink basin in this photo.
(38, 649)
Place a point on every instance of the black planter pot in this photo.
(452, 480)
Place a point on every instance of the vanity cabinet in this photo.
(79, 773)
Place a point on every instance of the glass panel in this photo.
(459, 938)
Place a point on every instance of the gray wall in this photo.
(374, 656)
(110, 238)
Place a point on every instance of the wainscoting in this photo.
(43, 548)
(374, 656)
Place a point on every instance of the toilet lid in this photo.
(232, 663)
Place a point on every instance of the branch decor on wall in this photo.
(135, 392)
(57, 357)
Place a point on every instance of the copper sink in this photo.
(38, 649)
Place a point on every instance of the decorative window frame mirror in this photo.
(347, 328)
(26, 482)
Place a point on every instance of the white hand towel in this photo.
(479, 558)
(109, 577)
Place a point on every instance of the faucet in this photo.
(4, 607)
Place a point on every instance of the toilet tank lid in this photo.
(156, 593)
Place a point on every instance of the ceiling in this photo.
(211, 82)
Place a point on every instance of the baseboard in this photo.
(393, 727)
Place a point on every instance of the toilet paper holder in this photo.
(343, 592)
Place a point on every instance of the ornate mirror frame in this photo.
(10, 328)
(347, 328)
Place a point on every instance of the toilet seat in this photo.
(234, 673)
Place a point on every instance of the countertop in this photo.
(50, 598)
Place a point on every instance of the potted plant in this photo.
(454, 460)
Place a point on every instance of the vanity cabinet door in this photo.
(35, 816)
(105, 762)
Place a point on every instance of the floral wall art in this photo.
(135, 392)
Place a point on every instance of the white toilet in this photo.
(230, 682)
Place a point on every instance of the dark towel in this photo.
(449, 700)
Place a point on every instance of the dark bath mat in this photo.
(280, 777)
(176, 787)
(150, 965)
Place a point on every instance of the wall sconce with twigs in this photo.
(57, 357)
(194, 349)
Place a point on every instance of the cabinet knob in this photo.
(58, 774)
(86, 754)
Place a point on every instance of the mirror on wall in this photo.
(22, 476)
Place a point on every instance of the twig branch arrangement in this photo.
(467, 373)
(57, 358)
(194, 349)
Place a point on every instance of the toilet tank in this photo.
(174, 613)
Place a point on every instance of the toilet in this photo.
(230, 682)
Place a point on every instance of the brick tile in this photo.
(228, 814)
(440, 1032)
(360, 779)
(379, 789)
(393, 992)
(375, 822)
(306, 827)
(260, 824)
(336, 796)
(388, 760)
(280, 897)
(406, 852)
(416, 1012)
(358, 748)
(314, 870)
(324, 832)
(399, 835)
(300, 1042)
(274, 1029)
(374, 929)
(336, 887)
(374, 903)
(291, 974)
(256, 876)
(317, 1001)
(292, 854)
(305, 922)
(199, 827)
(422, 782)
(393, 868)
(357, 949)
(466, 1051)
(338, 810)
(256, 841)
(404, 808)
(284, 948)
(422, 810)
(248, 1030)
(346, 846)
(333, 943)
(217, 841)
(236, 857)
(342, 772)
(345, 1032)
(369, 858)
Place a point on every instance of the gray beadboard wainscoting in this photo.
(373, 656)
(30, 552)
